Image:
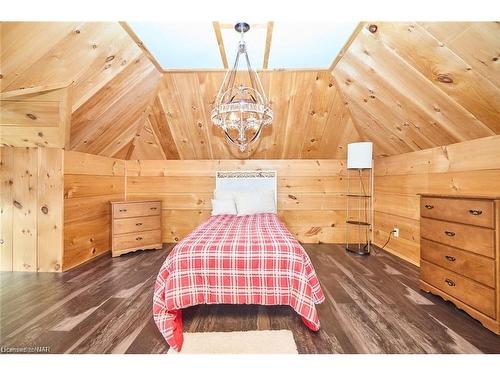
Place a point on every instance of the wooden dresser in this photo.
(460, 253)
(135, 225)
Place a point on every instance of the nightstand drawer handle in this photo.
(448, 233)
(138, 238)
(450, 282)
(475, 212)
(138, 224)
(450, 258)
(123, 210)
(154, 208)
(429, 206)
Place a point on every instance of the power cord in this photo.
(388, 239)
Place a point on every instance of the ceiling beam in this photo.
(346, 46)
(141, 45)
(269, 37)
(220, 42)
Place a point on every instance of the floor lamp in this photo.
(359, 213)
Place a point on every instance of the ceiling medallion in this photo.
(241, 109)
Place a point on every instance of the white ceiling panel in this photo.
(308, 45)
(183, 45)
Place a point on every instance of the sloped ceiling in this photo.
(412, 86)
(404, 86)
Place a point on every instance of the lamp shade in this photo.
(359, 155)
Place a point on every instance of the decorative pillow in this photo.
(223, 207)
(255, 202)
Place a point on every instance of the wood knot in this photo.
(45, 209)
(444, 78)
(176, 239)
(1, 76)
(110, 58)
(330, 84)
(17, 204)
(292, 197)
(31, 116)
(40, 134)
(77, 31)
(373, 28)
(494, 59)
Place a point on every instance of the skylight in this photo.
(293, 45)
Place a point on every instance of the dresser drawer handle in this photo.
(448, 233)
(450, 282)
(450, 258)
(429, 206)
(123, 210)
(475, 212)
(138, 224)
(138, 238)
(154, 208)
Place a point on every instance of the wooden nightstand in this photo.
(135, 225)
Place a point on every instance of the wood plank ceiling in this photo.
(413, 86)
(404, 86)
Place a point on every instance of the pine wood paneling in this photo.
(306, 104)
(469, 168)
(31, 209)
(447, 70)
(7, 208)
(311, 198)
(413, 86)
(39, 118)
(50, 221)
(90, 183)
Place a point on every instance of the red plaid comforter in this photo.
(235, 260)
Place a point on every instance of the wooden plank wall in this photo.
(471, 167)
(90, 182)
(31, 209)
(311, 193)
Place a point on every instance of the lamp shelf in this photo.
(356, 222)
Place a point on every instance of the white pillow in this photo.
(223, 195)
(255, 202)
(223, 207)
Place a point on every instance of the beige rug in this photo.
(239, 342)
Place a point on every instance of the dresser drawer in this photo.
(467, 211)
(475, 239)
(123, 210)
(476, 267)
(136, 240)
(469, 292)
(136, 224)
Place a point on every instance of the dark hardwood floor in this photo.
(373, 305)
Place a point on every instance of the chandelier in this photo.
(241, 110)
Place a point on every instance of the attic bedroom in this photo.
(239, 186)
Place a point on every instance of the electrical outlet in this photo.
(395, 231)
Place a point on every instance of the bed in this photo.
(231, 259)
